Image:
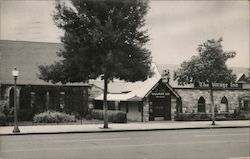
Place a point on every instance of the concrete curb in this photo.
(120, 130)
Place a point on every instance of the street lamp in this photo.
(15, 75)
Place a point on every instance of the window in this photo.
(201, 105)
(62, 98)
(246, 105)
(111, 105)
(11, 98)
(224, 105)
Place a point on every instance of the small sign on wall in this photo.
(160, 94)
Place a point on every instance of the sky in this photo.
(176, 28)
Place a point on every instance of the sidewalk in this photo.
(148, 126)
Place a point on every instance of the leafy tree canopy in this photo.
(208, 66)
(101, 37)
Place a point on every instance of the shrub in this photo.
(2, 119)
(4, 108)
(193, 117)
(204, 116)
(245, 115)
(88, 117)
(114, 116)
(25, 114)
(6, 113)
(208, 116)
(53, 117)
(224, 116)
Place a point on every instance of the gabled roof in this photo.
(139, 91)
(26, 56)
(241, 78)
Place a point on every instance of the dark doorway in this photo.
(162, 108)
(160, 103)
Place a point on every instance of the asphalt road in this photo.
(173, 144)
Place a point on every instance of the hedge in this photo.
(2, 119)
(114, 116)
(208, 116)
(53, 117)
(26, 114)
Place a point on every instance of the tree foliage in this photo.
(104, 37)
(208, 66)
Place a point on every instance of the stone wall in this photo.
(190, 98)
(173, 107)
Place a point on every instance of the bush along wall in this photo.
(114, 116)
(53, 117)
(2, 119)
(4, 113)
(193, 117)
(208, 116)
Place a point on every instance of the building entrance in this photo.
(160, 104)
(161, 108)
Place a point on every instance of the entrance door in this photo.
(162, 108)
(158, 108)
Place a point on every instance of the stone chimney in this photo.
(165, 76)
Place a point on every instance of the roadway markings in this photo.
(212, 135)
(89, 140)
(240, 157)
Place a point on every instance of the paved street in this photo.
(173, 144)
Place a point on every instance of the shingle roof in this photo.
(26, 56)
(139, 90)
(119, 86)
(241, 78)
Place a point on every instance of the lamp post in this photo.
(15, 75)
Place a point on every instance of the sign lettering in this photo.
(217, 85)
(160, 94)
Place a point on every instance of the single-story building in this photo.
(35, 95)
(157, 98)
(152, 99)
(161, 98)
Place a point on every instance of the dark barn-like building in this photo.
(157, 98)
(33, 94)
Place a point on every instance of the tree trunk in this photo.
(212, 100)
(105, 103)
